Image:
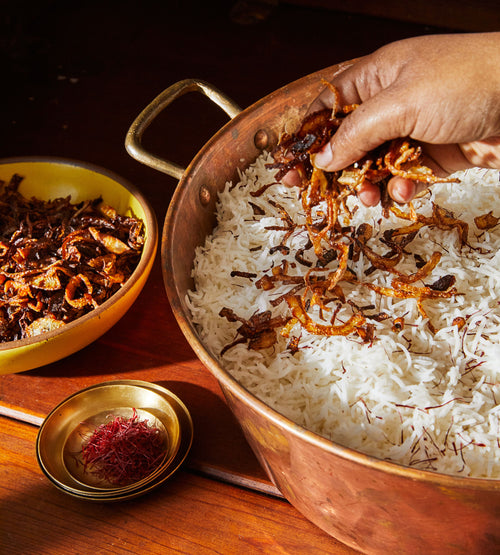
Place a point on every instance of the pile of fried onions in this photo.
(335, 242)
(59, 260)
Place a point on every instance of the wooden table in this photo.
(74, 80)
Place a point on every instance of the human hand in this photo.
(441, 90)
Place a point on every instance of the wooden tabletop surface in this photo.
(75, 76)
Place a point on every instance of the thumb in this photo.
(375, 121)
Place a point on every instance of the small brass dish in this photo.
(63, 432)
(49, 178)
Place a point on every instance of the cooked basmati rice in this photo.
(411, 397)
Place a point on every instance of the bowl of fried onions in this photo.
(77, 243)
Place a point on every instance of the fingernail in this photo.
(396, 195)
(324, 157)
(370, 197)
(403, 190)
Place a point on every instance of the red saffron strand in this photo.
(123, 451)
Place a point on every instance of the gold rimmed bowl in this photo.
(70, 424)
(49, 178)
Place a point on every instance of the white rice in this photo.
(411, 397)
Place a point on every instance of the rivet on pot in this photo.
(204, 195)
(261, 139)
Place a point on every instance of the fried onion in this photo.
(332, 242)
(59, 260)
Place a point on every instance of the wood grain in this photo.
(188, 514)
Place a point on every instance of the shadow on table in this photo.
(219, 445)
(41, 519)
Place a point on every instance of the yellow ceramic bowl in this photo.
(49, 178)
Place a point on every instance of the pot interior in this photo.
(191, 215)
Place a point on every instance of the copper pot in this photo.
(369, 504)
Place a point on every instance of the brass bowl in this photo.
(49, 178)
(62, 433)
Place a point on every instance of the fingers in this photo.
(485, 153)
(400, 189)
(403, 190)
(291, 179)
(375, 120)
(369, 194)
(367, 127)
(345, 83)
(441, 159)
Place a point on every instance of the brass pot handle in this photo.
(146, 117)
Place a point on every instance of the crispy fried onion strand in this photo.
(59, 260)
